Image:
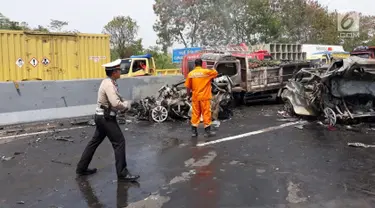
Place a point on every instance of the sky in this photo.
(90, 16)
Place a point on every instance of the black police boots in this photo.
(208, 132)
(194, 131)
(128, 177)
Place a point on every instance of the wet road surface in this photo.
(280, 167)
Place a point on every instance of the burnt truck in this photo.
(343, 91)
(250, 82)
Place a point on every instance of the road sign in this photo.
(20, 62)
(178, 54)
(45, 61)
(34, 62)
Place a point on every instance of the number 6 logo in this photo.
(348, 22)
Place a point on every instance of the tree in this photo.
(219, 22)
(123, 31)
(180, 21)
(162, 60)
(57, 25)
(40, 28)
(7, 24)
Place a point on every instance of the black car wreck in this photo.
(343, 91)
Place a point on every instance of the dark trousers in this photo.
(105, 128)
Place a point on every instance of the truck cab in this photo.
(134, 66)
(367, 52)
(225, 64)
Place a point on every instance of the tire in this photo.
(288, 108)
(279, 99)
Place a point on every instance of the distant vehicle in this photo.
(142, 65)
(367, 52)
(311, 49)
(327, 57)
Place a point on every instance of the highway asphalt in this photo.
(256, 160)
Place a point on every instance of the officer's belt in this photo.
(100, 112)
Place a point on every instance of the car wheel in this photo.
(330, 116)
(159, 114)
(288, 108)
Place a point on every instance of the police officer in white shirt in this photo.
(108, 105)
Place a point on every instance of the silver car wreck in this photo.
(343, 91)
(173, 102)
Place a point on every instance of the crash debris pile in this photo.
(344, 91)
(173, 102)
(255, 63)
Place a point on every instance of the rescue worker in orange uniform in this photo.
(199, 83)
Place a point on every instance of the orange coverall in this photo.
(199, 82)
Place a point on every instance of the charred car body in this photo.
(343, 91)
(173, 102)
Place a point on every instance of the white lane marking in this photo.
(272, 128)
(185, 176)
(157, 201)
(41, 132)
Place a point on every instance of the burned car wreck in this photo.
(344, 91)
(174, 103)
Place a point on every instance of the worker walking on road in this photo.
(108, 105)
(199, 82)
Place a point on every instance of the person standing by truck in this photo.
(108, 104)
(199, 82)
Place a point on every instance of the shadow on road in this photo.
(93, 201)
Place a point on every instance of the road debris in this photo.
(82, 122)
(121, 121)
(91, 122)
(358, 144)
(288, 119)
(4, 158)
(64, 138)
(60, 162)
(299, 126)
(20, 202)
(216, 123)
(283, 114)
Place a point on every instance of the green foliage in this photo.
(57, 25)
(221, 22)
(123, 31)
(162, 60)
(7, 24)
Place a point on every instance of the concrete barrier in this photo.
(47, 100)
